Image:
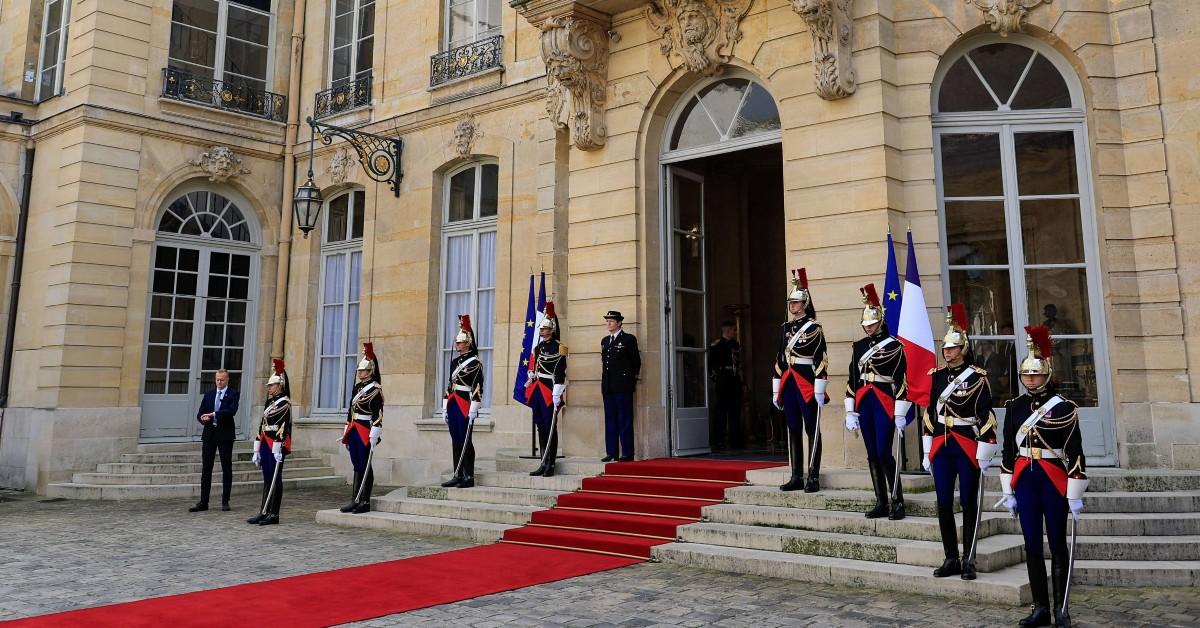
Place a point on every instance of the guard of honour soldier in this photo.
(798, 388)
(460, 405)
(272, 444)
(364, 429)
(546, 384)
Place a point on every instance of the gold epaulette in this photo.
(562, 349)
(935, 369)
(979, 370)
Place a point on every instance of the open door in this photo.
(686, 312)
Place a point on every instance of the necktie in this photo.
(217, 406)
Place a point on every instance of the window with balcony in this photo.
(352, 48)
(56, 14)
(473, 42)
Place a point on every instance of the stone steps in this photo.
(488, 495)
(510, 461)
(858, 479)
(522, 480)
(178, 457)
(1007, 586)
(911, 527)
(194, 467)
(143, 479)
(1103, 480)
(449, 509)
(1137, 573)
(480, 532)
(70, 490)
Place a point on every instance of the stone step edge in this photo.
(216, 473)
(111, 487)
(478, 532)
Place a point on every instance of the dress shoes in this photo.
(1039, 616)
(269, 520)
(950, 567)
(467, 482)
(812, 485)
(362, 507)
(255, 519)
(225, 506)
(451, 483)
(198, 508)
(625, 459)
(968, 570)
(608, 459)
(349, 507)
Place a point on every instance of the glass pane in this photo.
(352, 328)
(156, 382)
(1051, 231)
(193, 46)
(335, 277)
(366, 24)
(688, 210)
(261, 5)
(53, 16)
(1075, 371)
(177, 383)
(331, 324)
(240, 265)
(962, 91)
(214, 311)
(484, 321)
(975, 233)
(488, 185)
(160, 331)
(210, 358)
(487, 260)
(485, 359)
(156, 357)
(999, 359)
(181, 333)
(164, 281)
(233, 358)
(341, 7)
(462, 22)
(971, 165)
(358, 210)
(341, 63)
(248, 25)
(201, 13)
(160, 307)
(489, 16)
(461, 199)
(355, 274)
(458, 263)
(218, 287)
(987, 294)
(689, 319)
(456, 304)
(1043, 88)
(185, 283)
(330, 393)
(1058, 299)
(1046, 163)
(169, 223)
(181, 358)
(758, 114)
(219, 263)
(690, 380)
(189, 259)
(246, 59)
(214, 334)
(696, 130)
(184, 308)
(1001, 66)
(366, 54)
(235, 335)
(721, 101)
(237, 312)
(689, 261)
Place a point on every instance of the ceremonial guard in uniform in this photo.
(1043, 475)
(460, 406)
(877, 403)
(959, 438)
(364, 428)
(547, 382)
(724, 356)
(798, 388)
(620, 363)
(273, 443)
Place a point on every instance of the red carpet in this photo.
(633, 506)
(323, 599)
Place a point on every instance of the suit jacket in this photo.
(621, 364)
(226, 428)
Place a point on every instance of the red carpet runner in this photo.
(633, 506)
(613, 521)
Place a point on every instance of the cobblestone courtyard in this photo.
(61, 555)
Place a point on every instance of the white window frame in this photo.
(355, 38)
(60, 56)
(1006, 124)
(222, 28)
(477, 35)
(347, 247)
(474, 227)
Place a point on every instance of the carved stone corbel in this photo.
(1006, 16)
(465, 133)
(702, 32)
(832, 28)
(220, 163)
(575, 51)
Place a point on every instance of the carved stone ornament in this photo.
(702, 32)
(575, 50)
(339, 166)
(1006, 16)
(465, 133)
(220, 163)
(832, 29)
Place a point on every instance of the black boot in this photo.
(1040, 613)
(881, 496)
(549, 470)
(950, 567)
(262, 506)
(968, 565)
(353, 503)
(897, 512)
(812, 485)
(468, 466)
(796, 447)
(255, 519)
(467, 482)
(814, 460)
(364, 493)
(456, 455)
(949, 530)
(1059, 576)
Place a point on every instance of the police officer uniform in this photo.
(272, 445)
(959, 438)
(1043, 476)
(547, 383)
(798, 388)
(364, 430)
(724, 356)
(877, 403)
(620, 362)
(460, 405)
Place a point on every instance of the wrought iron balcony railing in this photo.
(463, 61)
(182, 85)
(344, 97)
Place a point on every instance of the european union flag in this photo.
(526, 347)
(891, 297)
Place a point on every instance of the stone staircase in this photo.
(1141, 528)
(162, 470)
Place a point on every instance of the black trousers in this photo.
(726, 417)
(207, 457)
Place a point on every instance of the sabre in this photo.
(978, 518)
(367, 469)
(271, 490)
(462, 454)
(814, 442)
(1070, 564)
(896, 463)
(550, 436)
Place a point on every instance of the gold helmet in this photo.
(367, 363)
(1041, 350)
(464, 331)
(956, 327)
(279, 376)
(799, 290)
(549, 320)
(872, 309)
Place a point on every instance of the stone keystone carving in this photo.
(832, 29)
(1006, 16)
(220, 163)
(575, 51)
(702, 32)
(465, 133)
(339, 166)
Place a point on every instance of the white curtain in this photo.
(339, 328)
(470, 288)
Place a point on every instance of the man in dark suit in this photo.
(217, 413)
(621, 363)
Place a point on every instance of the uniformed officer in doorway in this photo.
(724, 362)
(621, 362)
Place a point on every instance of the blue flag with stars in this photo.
(891, 290)
(526, 348)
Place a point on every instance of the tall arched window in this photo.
(341, 269)
(1017, 218)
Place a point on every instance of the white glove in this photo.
(775, 400)
(277, 448)
(376, 432)
(256, 458)
(1010, 504)
(819, 387)
(852, 421)
(557, 394)
(925, 464)
(445, 405)
(1076, 506)
(984, 463)
(278, 456)
(473, 413)
(901, 421)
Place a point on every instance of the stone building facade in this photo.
(671, 160)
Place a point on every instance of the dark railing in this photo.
(344, 97)
(181, 85)
(473, 58)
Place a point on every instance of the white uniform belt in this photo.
(462, 388)
(543, 376)
(951, 421)
(1037, 453)
(794, 360)
(876, 378)
(364, 417)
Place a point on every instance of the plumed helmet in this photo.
(872, 309)
(369, 361)
(799, 290)
(465, 334)
(549, 321)
(956, 327)
(1041, 349)
(279, 376)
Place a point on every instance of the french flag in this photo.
(916, 333)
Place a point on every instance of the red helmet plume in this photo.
(958, 312)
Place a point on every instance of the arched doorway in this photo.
(722, 203)
(201, 313)
(1018, 220)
